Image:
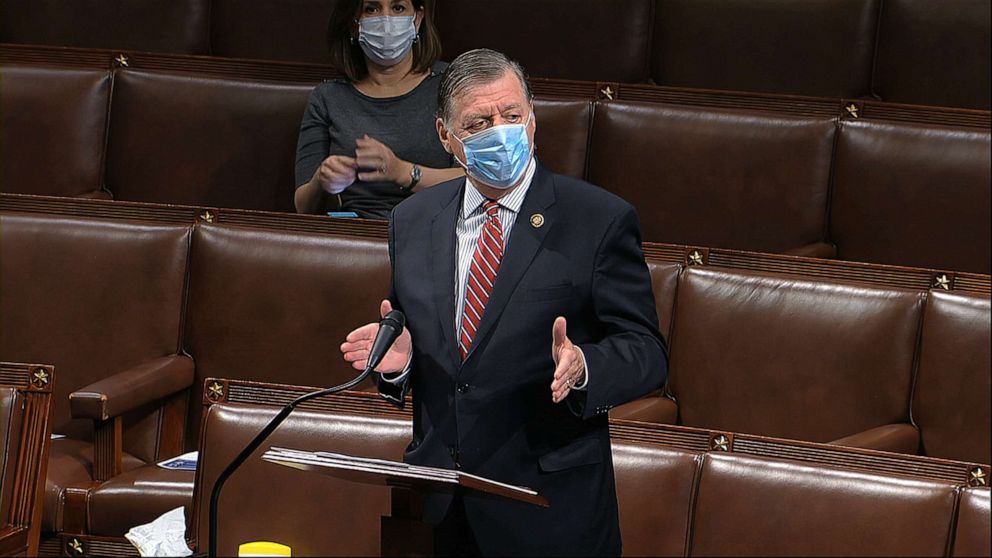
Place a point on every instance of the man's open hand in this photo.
(356, 348)
(570, 368)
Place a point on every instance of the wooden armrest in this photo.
(133, 388)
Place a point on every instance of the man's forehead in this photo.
(485, 99)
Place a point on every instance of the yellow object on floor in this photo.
(264, 548)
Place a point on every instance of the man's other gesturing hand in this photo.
(356, 347)
(570, 369)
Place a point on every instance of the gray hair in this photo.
(481, 66)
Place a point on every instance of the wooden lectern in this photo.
(402, 532)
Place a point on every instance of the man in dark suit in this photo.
(529, 315)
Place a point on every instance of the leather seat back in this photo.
(952, 398)
(934, 53)
(655, 489)
(765, 507)
(200, 141)
(971, 534)
(294, 30)
(179, 26)
(913, 195)
(578, 39)
(664, 282)
(562, 136)
(715, 178)
(52, 128)
(275, 306)
(11, 419)
(788, 357)
(92, 297)
(266, 501)
(774, 45)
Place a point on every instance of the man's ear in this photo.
(442, 134)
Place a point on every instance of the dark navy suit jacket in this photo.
(492, 415)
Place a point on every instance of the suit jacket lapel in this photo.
(443, 231)
(525, 241)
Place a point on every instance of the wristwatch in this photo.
(415, 175)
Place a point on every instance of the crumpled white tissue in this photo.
(166, 536)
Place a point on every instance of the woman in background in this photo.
(370, 138)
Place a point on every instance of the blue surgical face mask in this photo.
(498, 156)
(387, 39)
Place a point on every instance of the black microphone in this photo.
(389, 329)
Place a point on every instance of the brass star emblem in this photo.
(852, 109)
(977, 477)
(215, 391)
(942, 282)
(207, 216)
(122, 60)
(76, 546)
(40, 378)
(695, 258)
(607, 92)
(721, 443)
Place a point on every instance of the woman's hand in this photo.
(336, 173)
(379, 163)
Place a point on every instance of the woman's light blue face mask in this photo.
(387, 39)
(499, 156)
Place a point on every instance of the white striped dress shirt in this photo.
(467, 231)
(469, 227)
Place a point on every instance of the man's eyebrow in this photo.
(476, 116)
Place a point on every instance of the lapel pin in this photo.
(537, 220)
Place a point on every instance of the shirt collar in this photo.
(472, 199)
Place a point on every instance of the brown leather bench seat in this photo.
(268, 298)
(297, 512)
(717, 178)
(907, 51)
(202, 141)
(794, 358)
(93, 297)
(953, 382)
(750, 179)
(674, 500)
(53, 127)
(908, 194)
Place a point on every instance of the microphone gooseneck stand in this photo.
(390, 329)
(257, 441)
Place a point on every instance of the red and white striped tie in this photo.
(481, 275)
